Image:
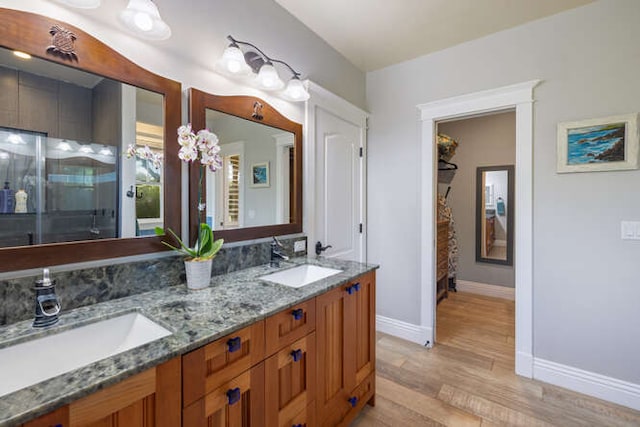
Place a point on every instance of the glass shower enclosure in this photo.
(56, 190)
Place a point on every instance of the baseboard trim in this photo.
(596, 385)
(404, 330)
(524, 364)
(486, 289)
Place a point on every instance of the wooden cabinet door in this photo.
(365, 330)
(148, 399)
(290, 386)
(333, 335)
(345, 334)
(237, 403)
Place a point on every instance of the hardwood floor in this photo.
(468, 378)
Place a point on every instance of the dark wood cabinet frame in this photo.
(245, 108)
(28, 32)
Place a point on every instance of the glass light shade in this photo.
(21, 55)
(64, 146)
(232, 62)
(268, 78)
(295, 91)
(81, 4)
(142, 17)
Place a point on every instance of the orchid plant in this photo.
(145, 153)
(199, 147)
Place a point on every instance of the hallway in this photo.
(468, 378)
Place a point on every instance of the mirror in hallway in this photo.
(494, 214)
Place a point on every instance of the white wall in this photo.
(586, 279)
(482, 141)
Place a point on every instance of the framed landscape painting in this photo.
(260, 174)
(605, 144)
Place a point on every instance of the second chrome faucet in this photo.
(277, 253)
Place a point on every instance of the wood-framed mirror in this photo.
(258, 192)
(75, 197)
(494, 214)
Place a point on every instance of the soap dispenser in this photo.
(7, 199)
(47, 304)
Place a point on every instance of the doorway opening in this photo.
(475, 236)
(520, 98)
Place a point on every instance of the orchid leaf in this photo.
(206, 238)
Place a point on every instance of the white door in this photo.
(339, 134)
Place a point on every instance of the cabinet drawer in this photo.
(359, 397)
(306, 418)
(237, 402)
(290, 377)
(290, 325)
(208, 367)
(56, 418)
(443, 265)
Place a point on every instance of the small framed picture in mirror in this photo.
(260, 174)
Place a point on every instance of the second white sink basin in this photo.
(301, 275)
(31, 362)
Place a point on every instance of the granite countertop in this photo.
(195, 318)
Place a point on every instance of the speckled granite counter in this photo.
(196, 318)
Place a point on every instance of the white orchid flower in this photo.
(187, 154)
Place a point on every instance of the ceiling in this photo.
(374, 34)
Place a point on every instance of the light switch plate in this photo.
(300, 246)
(630, 230)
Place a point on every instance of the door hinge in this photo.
(361, 151)
(360, 227)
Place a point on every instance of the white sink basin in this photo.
(31, 362)
(301, 275)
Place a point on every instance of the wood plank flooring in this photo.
(468, 378)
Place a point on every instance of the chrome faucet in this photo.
(47, 303)
(277, 253)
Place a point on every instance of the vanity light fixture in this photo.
(64, 146)
(81, 4)
(106, 151)
(86, 149)
(236, 63)
(21, 55)
(15, 139)
(142, 18)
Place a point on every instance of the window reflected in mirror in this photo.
(235, 197)
(63, 173)
(494, 214)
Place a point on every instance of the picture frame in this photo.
(603, 144)
(260, 175)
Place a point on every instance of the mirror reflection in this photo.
(254, 186)
(63, 173)
(494, 214)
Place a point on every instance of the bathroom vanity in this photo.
(244, 351)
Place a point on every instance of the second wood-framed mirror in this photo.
(258, 192)
(65, 177)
